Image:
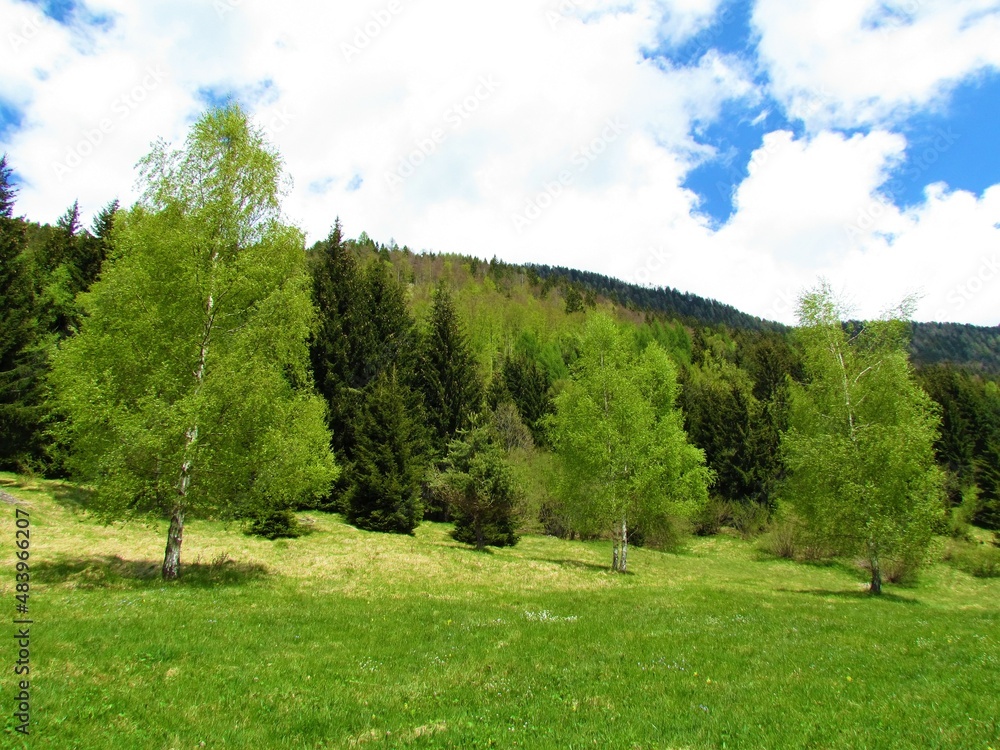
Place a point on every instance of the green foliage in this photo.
(276, 524)
(968, 446)
(619, 434)
(574, 300)
(688, 307)
(481, 490)
(510, 429)
(337, 343)
(22, 360)
(978, 560)
(736, 430)
(446, 373)
(859, 449)
(8, 192)
(388, 461)
(188, 388)
(365, 329)
(523, 382)
(958, 344)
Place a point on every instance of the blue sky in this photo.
(740, 150)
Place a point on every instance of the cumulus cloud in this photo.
(813, 206)
(866, 62)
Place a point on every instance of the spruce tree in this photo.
(389, 332)
(388, 463)
(481, 490)
(21, 365)
(529, 387)
(7, 190)
(365, 330)
(447, 376)
(68, 270)
(336, 347)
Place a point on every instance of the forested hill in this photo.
(977, 347)
(974, 347)
(688, 307)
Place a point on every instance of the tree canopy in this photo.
(860, 445)
(621, 438)
(187, 389)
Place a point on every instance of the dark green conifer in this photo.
(481, 490)
(388, 462)
(447, 375)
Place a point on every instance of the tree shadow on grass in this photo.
(70, 497)
(113, 572)
(860, 595)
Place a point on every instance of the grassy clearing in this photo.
(344, 638)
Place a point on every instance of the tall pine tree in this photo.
(447, 376)
(20, 380)
(337, 344)
(388, 462)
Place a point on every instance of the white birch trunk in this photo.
(175, 535)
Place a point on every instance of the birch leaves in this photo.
(187, 390)
(859, 449)
(626, 457)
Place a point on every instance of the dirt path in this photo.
(9, 499)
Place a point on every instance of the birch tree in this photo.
(187, 390)
(621, 439)
(860, 445)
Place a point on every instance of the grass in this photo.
(343, 638)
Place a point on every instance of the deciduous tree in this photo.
(187, 390)
(860, 446)
(626, 457)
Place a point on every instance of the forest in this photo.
(190, 357)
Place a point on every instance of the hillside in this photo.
(972, 347)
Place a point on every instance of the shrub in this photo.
(900, 570)
(749, 518)
(978, 560)
(710, 519)
(276, 524)
(960, 517)
(783, 539)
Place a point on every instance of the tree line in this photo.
(189, 356)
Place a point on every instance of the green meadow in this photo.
(344, 638)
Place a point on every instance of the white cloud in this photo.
(811, 207)
(493, 110)
(864, 62)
